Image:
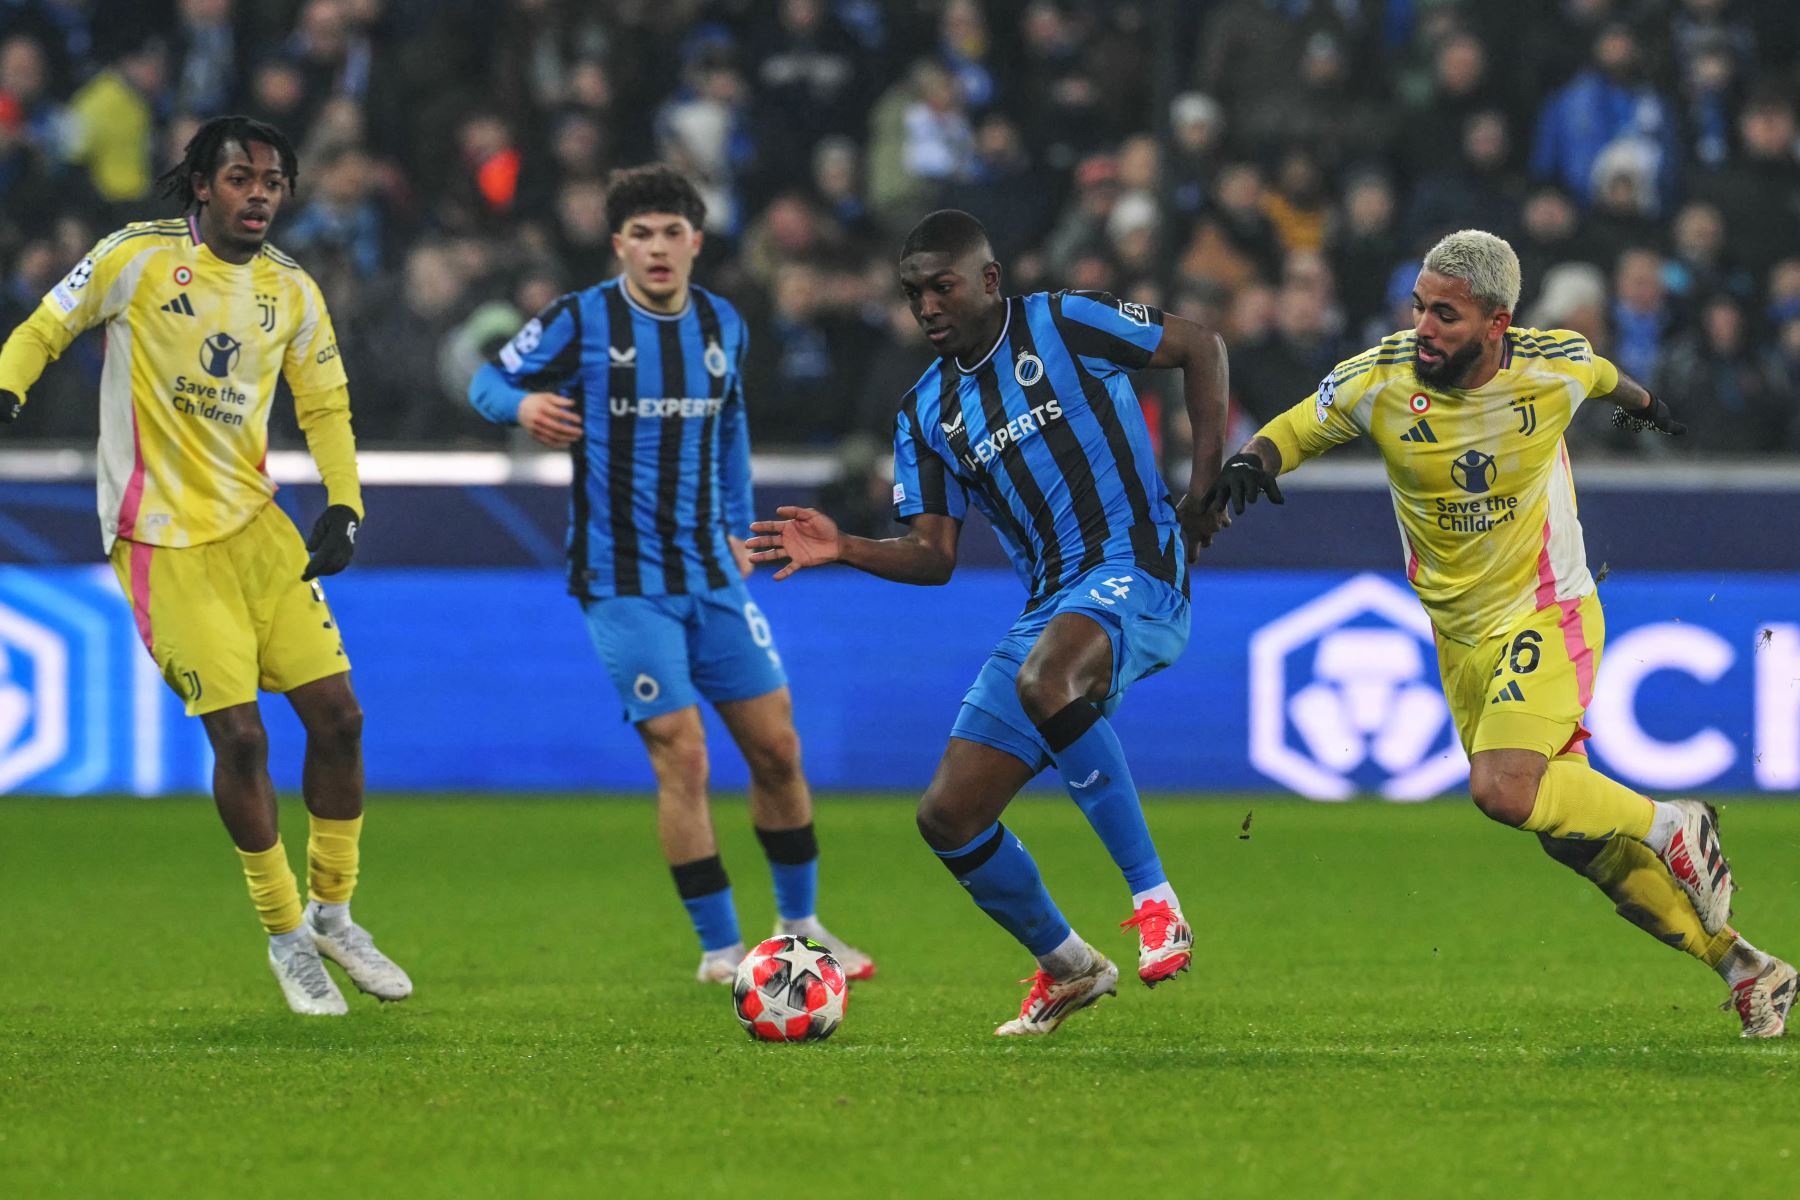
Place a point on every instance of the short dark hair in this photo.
(201, 155)
(657, 188)
(946, 231)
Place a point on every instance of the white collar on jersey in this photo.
(654, 316)
(1006, 325)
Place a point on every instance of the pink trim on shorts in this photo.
(1580, 653)
(140, 592)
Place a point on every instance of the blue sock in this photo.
(794, 862)
(1093, 767)
(706, 894)
(1004, 883)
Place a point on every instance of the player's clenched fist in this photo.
(804, 537)
(1200, 524)
(551, 419)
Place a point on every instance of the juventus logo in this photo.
(1527, 410)
(265, 309)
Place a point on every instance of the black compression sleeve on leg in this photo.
(1064, 728)
(974, 860)
(702, 877)
(790, 847)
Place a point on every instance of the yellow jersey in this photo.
(1479, 477)
(194, 346)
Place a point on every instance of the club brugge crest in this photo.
(715, 360)
(1474, 472)
(1028, 368)
(219, 354)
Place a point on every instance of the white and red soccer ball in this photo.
(789, 989)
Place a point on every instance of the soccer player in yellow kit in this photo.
(1468, 413)
(201, 316)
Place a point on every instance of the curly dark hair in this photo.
(201, 156)
(656, 188)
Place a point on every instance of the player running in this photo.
(1468, 413)
(201, 315)
(1030, 416)
(641, 378)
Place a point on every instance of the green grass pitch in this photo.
(1389, 1001)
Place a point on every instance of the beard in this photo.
(1453, 368)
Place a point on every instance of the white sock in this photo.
(285, 943)
(808, 925)
(1162, 891)
(732, 953)
(1071, 957)
(327, 916)
(1662, 826)
(1743, 961)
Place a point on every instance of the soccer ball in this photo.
(789, 989)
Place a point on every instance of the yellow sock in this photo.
(331, 859)
(1645, 894)
(1576, 801)
(272, 888)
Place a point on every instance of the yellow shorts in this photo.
(224, 618)
(1527, 688)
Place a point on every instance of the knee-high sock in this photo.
(1644, 893)
(332, 858)
(1004, 883)
(1577, 802)
(706, 894)
(1092, 763)
(272, 888)
(794, 864)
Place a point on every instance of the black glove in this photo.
(333, 541)
(1657, 417)
(1240, 481)
(10, 404)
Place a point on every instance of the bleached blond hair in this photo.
(1486, 261)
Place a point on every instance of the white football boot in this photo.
(1165, 941)
(1051, 1001)
(349, 946)
(1695, 860)
(857, 965)
(720, 966)
(308, 990)
(1763, 1001)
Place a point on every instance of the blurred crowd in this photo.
(1274, 168)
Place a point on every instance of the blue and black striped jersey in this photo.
(662, 472)
(1046, 438)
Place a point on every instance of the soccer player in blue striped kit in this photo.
(641, 378)
(1030, 416)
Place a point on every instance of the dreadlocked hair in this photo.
(202, 155)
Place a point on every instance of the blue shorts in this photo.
(666, 652)
(1146, 619)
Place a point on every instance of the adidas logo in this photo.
(1420, 433)
(181, 305)
(1509, 692)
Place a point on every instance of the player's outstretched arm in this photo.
(806, 537)
(1200, 353)
(1638, 410)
